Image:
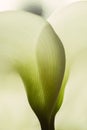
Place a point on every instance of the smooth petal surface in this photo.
(15, 36)
(15, 111)
(30, 47)
(71, 26)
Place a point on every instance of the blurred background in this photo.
(41, 7)
(15, 112)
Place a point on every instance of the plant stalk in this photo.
(47, 125)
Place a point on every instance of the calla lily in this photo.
(70, 24)
(30, 47)
(39, 60)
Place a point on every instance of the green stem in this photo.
(47, 125)
(52, 124)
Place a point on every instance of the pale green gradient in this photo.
(15, 111)
(30, 47)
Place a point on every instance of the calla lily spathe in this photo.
(30, 47)
(70, 24)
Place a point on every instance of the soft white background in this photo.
(48, 5)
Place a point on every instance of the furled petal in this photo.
(29, 46)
